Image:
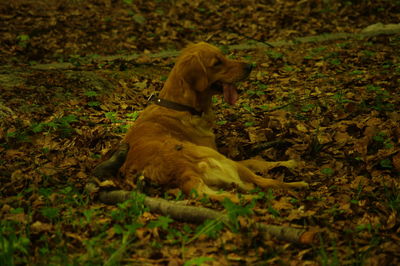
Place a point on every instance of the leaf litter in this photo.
(333, 106)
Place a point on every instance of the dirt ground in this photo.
(74, 75)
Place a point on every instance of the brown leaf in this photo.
(361, 145)
(70, 161)
(78, 237)
(81, 175)
(48, 169)
(256, 134)
(235, 257)
(396, 161)
(282, 204)
(369, 219)
(14, 153)
(39, 227)
(391, 221)
(342, 137)
(17, 217)
(299, 213)
(46, 141)
(17, 175)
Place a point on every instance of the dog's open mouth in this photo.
(229, 90)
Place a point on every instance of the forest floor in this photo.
(75, 75)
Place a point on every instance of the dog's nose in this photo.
(248, 68)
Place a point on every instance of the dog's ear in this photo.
(194, 72)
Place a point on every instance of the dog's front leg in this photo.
(110, 167)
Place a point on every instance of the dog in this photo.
(172, 142)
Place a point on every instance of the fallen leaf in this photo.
(396, 161)
(17, 217)
(39, 227)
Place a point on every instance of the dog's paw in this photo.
(110, 167)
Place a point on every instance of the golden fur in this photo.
(176, 148)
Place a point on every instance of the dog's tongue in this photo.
(230, 93)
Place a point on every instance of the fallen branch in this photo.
(180, 212)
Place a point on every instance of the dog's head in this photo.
(205, 69)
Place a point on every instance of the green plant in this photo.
(198, 261)
(129, 210)
(307, 107)
(356, 72)
(50, 213)
(315, 53)
(23, 40)
(93, 251)
(355, 199)
(45, 192)
(210, 228)
(255, 93)
(335, 61)
(386, 163)
(162, 222)
(126, 218)
(393, 198)
(225, 49)
(221, 122)
(76, 60)
(334, 211)
(288, 68)
(133, 116)
(89, 214)
(11, 245)
(328, 258)
(259, 91)
(318, 50)
(368, 53)
(61, 125)
(380, 101)
(92, 95)
(122, 128)
(234, 211)
(249, 123)
(268, 197)
(317, 76)
(327, 171)
(112, 116)
(18, 136)
(344, 45)
(139, 18)
(384, 140)
(128, 235)
(274, 55)
(175, 236)
(247, 107)
(339, 98)
(373, 231)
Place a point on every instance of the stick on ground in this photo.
(193, 214)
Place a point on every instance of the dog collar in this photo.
(177, 106)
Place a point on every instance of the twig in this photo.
(194, 214)
(250, 38)
(294, 101)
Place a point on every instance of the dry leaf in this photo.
(39, 227)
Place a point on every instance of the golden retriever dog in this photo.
(172, 143)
